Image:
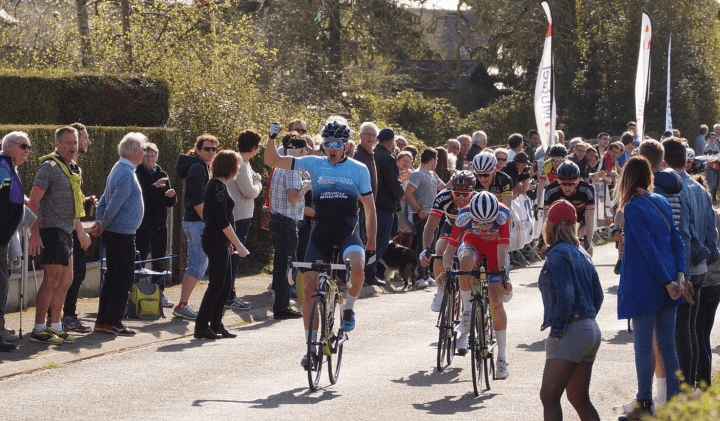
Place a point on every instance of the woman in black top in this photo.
(217, 237)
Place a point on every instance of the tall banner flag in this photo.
(545, 89)
(668, 114)
(642, 79)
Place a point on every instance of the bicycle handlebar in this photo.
(319, 266)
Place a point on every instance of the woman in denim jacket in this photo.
(651, 278)
(572, 296)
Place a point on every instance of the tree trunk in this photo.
(125, 6)
(334, 43)
(84, 29)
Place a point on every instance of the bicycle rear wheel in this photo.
(333, 347)
(490, 344)
(476, 347)
(315, 343)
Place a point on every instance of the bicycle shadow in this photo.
(533, 347)
(450, 405)
(425, 378)
(297, 396)
(621, 338)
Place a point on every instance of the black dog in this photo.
(402, 261)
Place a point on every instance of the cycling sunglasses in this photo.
(334, 144)
(465, 194)
(484, 175)
(568, 183)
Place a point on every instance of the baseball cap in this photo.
(562, 213)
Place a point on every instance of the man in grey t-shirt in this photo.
(57, 200)
(420, 193)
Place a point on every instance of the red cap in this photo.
(562, 212)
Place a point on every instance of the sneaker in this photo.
(462, 344)
(625, 408)
(119, 330)
(99, 328)
(421, 284)
(287, 314)
(237, 304)
(617, 267)
(437, 301)
(167, 303)
(45, 337)
(66, 337)
(185, 312)
(348, 322)
(465, 323)
(431, 282)
(8, 335)
(501, 371)
(73, 324)
(6, 346)
(305, 363)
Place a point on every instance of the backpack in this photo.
(144, 302)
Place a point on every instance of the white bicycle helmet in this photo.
(484, 161)
(484, 207)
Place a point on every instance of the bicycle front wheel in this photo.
(333, 347)
(315, 343)
(476, 346)
(490, 344)
(446, 328)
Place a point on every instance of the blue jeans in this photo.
(285, 239)
(384, 228)
(197, 259)
(663, 323)
(713, 176)
(709, 300)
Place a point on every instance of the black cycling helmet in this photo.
(568, 170)
(336, 131)
(558, 151)
(463, 181)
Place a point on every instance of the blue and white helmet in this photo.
(336, 131)
(484, 207)
(690, 154)
(484, 161)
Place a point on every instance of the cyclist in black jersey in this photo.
(492, 180)
(447, 203)
(568, 186)
(338, 183)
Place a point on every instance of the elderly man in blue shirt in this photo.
(119, 214)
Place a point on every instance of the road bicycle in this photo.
(448, 321)
(325, 337)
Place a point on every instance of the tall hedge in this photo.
(94, 100)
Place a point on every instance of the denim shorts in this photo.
(580, 342)
(197, 259)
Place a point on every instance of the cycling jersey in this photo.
(501, 186)
(482, 242)
(583, 199)
(336, 188)
(444, 205)
(548, 172)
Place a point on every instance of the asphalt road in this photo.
(388, 370)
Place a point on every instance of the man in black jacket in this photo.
(389, 193)
(158, 196)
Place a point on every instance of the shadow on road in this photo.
(612, 290)
(621, 338)
(426, 378)
(180, 347)
(533, 347)
(453, 404)
(298, 396)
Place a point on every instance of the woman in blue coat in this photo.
(651, 277)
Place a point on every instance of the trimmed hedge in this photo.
(93, 100)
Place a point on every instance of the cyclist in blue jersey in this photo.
(337, 185)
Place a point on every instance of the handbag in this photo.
(265, 218)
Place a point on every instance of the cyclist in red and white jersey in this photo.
(485, 224)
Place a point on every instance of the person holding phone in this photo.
(158, 196)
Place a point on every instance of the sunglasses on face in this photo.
(485, 224)
(568, 183)
(464, 194)
(209, 148)
(558, 159)
(484, 175)
(301, 131)
(334, 145)
(23, 146)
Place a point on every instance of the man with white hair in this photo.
(465, 145)
(15, 150)
(479, 142)
(119, 213)
(57, 199)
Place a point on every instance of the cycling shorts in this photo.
(328, 233)
(445, 230)
(489, 249)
